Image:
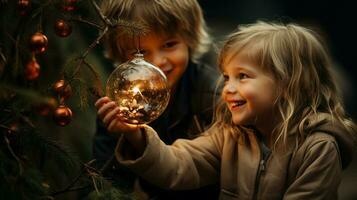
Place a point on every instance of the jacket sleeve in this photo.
(186, 164)
(320, 172)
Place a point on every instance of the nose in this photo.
(230, 88)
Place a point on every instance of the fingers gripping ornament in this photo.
(139, 89)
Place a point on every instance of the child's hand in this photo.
(108, 113)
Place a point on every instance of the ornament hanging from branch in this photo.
(38, 43)
(23, 7)
(139, 89)
(63, 28)
(32, 69)
(62, 115)
(69, 5)
(62, 89)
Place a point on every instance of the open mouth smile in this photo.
(234, 105)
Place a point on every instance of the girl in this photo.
(280, 132)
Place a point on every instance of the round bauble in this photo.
(62, 115)
(32, 70)
(38, 43)
(139, 89)
(63, 89)
(63, 28)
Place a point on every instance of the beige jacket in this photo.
(312, 171)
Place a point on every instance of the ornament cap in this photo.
(139, 55)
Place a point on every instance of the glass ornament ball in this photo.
(63, 28)
(139, 89)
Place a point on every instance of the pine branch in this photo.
(81, 59)
(29, 94)
(101, 15)
(135, 28)
(34, 146)
(21, 170)
(81, 20)
(52, 147)
(97, 91)
(2, 56)
(70, 187)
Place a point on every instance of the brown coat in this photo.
(312, 171)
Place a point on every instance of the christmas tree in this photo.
(50, 75)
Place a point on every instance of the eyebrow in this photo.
(237, 68)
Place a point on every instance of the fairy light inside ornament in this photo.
(139, 89)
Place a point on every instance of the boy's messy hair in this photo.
(170, 17)
(295, 56)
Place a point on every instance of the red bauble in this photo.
(62, 115)
(61, 90)
(32, 70)
(23, 6)
(69, 5)
(63, 28)
(38, 42)
(13, 127)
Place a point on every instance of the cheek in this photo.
(179, 62)
(249, 93)
(180, 59)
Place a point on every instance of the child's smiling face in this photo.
(249, 91)
(169, 53)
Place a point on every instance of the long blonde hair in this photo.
(302, 68)
(183, 18)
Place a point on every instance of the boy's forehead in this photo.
(129, 42)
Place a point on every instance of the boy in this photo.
(177, 38)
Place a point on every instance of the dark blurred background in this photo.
(334, 20)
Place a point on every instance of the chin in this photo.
(240, 120)
(237, 120)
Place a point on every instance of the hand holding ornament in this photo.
(108, 112)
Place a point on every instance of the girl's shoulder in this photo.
(324, 131)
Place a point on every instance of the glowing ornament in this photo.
(32, 70)
(69, 5)
(38, 42)
(23, 6)
(63, 89)
(62, 115)
(139, 89)
(63, 28)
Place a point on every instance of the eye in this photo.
(242, 76)
(225, 78)
(170, 44)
